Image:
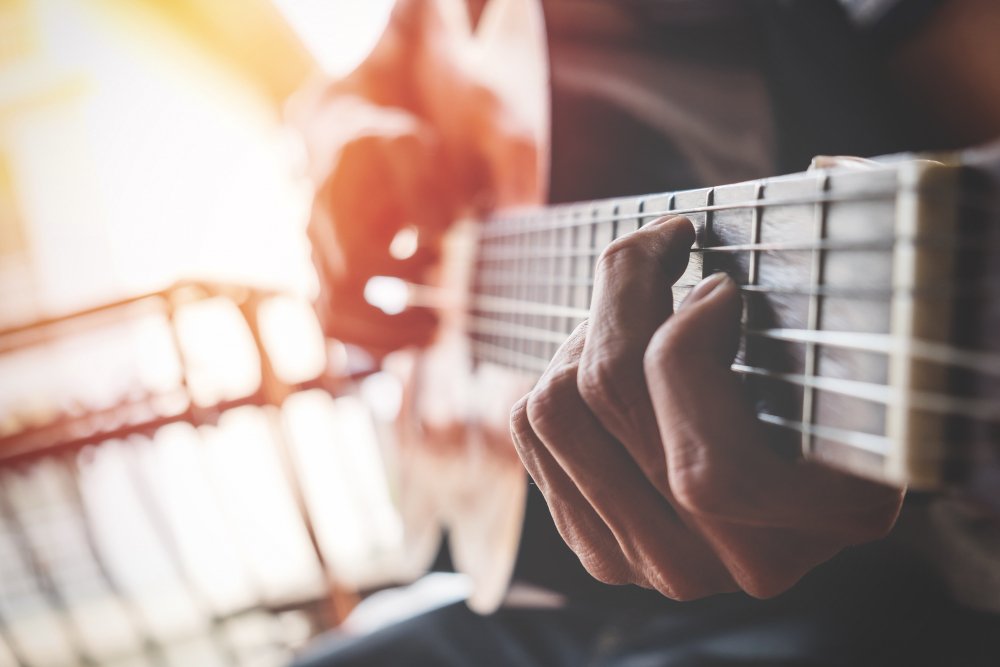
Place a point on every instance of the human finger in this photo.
(579, 525)
(718, 461)
(658, 548)
(346, 315)
(632, 298)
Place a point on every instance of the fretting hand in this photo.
(653, 464)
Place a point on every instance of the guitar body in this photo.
(456, 469)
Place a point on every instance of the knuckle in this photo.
(520, 427)
(666, 346)
(553, 401)
(660, 576)
(623, 251)
(579, 335)
(602, 568)
(698, 487)
(596, 553)
(610, 382)
(595, 379)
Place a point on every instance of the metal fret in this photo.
(629, 216)
(752, 277)
(521, 263)
(707, 233)
(813, 323)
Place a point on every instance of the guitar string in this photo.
(861, 440)
(495, 227)
(872, 443)
(857, 439)
(493, 253)
(527, 221)
(924, 401)
(942, 354)
(499, 278)
(500, 304)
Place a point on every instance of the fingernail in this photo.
(707, 286)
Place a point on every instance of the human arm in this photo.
(410, 139)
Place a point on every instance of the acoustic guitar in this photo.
(871, 304)
(869, 330)
(869, 333)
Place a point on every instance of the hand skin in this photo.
(652, 463)
(409, 139)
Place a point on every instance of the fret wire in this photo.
(521, 318)
(552, 291)
(527, 319)
(517, 264)
(495, 225)
(878, 343)
(755, 223)
(753, 269)
(671, 203)
(707, 233)
(813, 320)
(572, 268)
(512, 264)
(529, 266)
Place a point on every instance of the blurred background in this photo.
(184, 479)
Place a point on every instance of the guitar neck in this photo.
(849, 280)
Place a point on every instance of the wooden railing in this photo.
(50, 443)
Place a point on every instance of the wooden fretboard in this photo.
(852, 288)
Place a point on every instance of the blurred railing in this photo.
(87, 476)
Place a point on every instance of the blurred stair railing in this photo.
(54, 571)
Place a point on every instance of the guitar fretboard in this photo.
(847, 288)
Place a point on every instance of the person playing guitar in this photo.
(708, 547)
